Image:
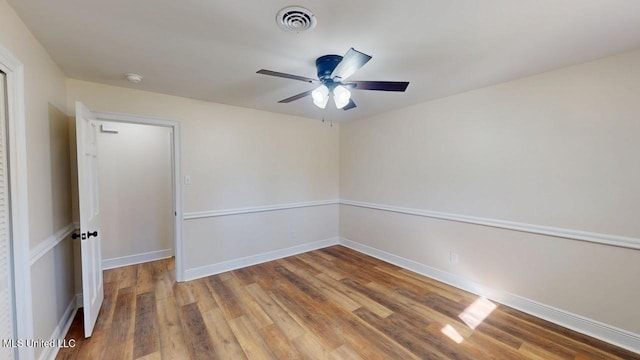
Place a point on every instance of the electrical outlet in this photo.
(453, 257)
(187, 180)
(293, 233)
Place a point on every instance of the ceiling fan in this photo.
(333, 71)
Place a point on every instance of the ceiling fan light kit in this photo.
(341, 96)
(320, 96)
(333, 71)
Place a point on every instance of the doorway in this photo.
(135, 193)
(173, 132)
(87, 124)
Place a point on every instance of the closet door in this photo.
(7, 321)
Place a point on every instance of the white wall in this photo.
(558, 149)
(136, 199)
(48, 167)
(239, 158)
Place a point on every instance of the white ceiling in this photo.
(211, 50)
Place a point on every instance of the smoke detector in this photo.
(296, 19)
(133, 78)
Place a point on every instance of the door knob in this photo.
(75, 236)
(90, 234)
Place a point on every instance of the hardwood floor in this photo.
(333, 303)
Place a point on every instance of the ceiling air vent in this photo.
(296, 18)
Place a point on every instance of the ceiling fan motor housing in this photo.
(325, 65)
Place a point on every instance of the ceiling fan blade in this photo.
(287, 76)
(378, 85)
(296, 97)
(351, 62)
(350, 105)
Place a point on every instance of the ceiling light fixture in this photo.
(133, 78)
(341, 96)
(320, 96)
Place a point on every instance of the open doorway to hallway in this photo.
(135, 193)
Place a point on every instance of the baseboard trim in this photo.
(51, 242)
(213, 269)
(79, 300)
(60, 332)
(255, 209)
(136, 259)
(596, 329)
(598, 238)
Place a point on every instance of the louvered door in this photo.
(7, 321)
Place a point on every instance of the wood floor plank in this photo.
(310, 348)
(244, 275)
(406, 339)
(306, 315)
(308, 274)
(224, 342)
(369, 342)
(224, 297)
(534, 352)
(145, 281)
(322, 264)
(278, 315)
(495, 347)
(385, 298)
(146, 339)
(104, 320)
(439, 288)
(127, 276)
(354, 270)
(278, 343)
(303, 286)
(202, 295)
(264, 275)
(529, 334)
(332, 303)
(345, 352)
(98, 347)
(299, 264)
(163, 279)
(123, 323)
(183, 293)
(250, 340)
(352, 331)
(356, 296)
(251, 309)
(499, 335)
(195, 332)
(172, 340)
(152, 356)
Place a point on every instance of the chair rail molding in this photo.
(598, 238)
(255, 209)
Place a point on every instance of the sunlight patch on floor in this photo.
(475, 314)
(452, 334)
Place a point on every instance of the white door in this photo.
(7, 328)
(90, 230)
